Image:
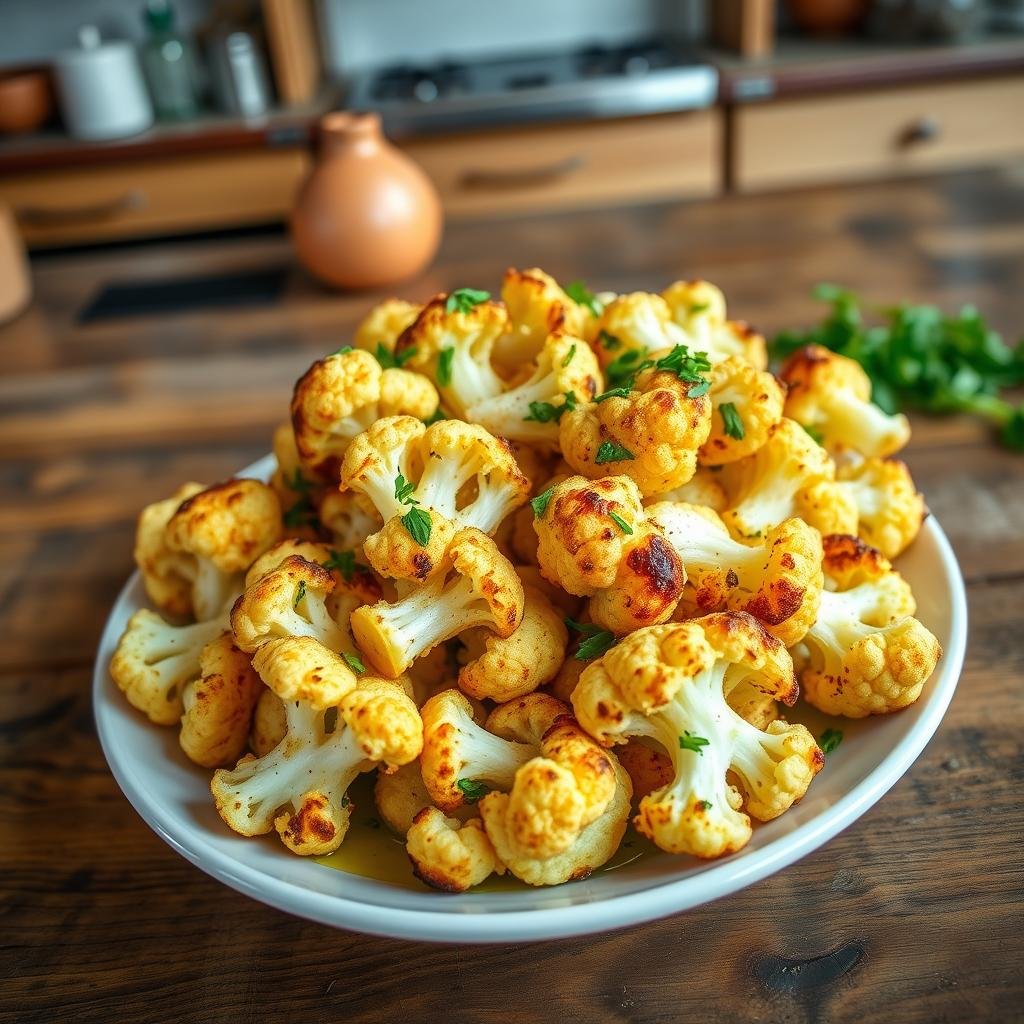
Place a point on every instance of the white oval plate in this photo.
(173, 797)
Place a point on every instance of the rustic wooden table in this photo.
(913, 914)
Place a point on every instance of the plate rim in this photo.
(657, 901)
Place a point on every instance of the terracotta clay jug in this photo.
(367, 215)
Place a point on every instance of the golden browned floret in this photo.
(219, 533)
(890, 509)
(454, 349)
(269, 724)
(746, 403)
(342, 395)
(311, 551)
(831, 394)
(218, 706)
(501, 668)
(648, 767)
(595, 541)
(384, 324)
(826, 506)
(698, 307)
(475, 586)
(448, 854)
(670, 684)
(299, 495)
(303, 669)
(400, 795)
(630, 327)
(703, 488)
(531, 576)
(349, 518)
(650, 433)
(778, 580)
(167, 576)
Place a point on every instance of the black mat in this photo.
(184, 294)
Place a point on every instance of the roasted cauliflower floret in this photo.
(595, 541)
(166, 575)
(765, 487)
(777, 580)
(219, 705)
(448, 854)
(475, 586)
(630, 327)
(400, 795)
(218, 533)
(288, 601)
(698, 307)
(648, 428)
(349, 519)
(381, 328)
(702, 489)
(564, 374)
(269, 723)
(746, 403)
(670, 684)
(340, 727)
(890, 510)
(342, 395)
(867, 655)
(502, 668)
(154, 660)
(831, 394)
(453, 344)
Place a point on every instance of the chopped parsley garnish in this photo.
(345, 801)
(622, 392)
(541, 502)
(583, 296)
(341, 351)
(300, 593)
(688, 367)
(345, 562)
(704, 805)
(444, 366)
(569, 355)
(621, 523)
(301, 513)
(813, 432)
(694, 743)
(403, 490)
(621, 370)
(464, 299)
(354, 662)
(545, 412)
(595, 640)
(732, 421)
(699, 307)
(435, 417)
(393, 360)
(829, 740)
(472, 790)
(609, 451)
(417, 521)
(298, 483)
(608, 341)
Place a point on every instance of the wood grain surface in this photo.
(913, 914)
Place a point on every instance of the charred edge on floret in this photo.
(186, 505)
(659, 566)
(843, 551)
(308, 820)
(780, 602)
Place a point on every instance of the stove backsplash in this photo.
(361, 34)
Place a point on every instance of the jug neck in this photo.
(342, 131)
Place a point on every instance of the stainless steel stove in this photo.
(645, 77)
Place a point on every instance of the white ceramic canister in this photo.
(101, 88)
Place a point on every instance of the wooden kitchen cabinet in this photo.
(575, 165)
(155, 196)
(885, 132)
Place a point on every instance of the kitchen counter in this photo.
(913, 913)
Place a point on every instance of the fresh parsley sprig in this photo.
(732, 421)
(610, 451)
(464, 299)
(541, 502)
(583, 296)
(547, 412)
(695, 743)
(595, 640)
(417, 520)
(829, 740)
(472, 790)
(393, 360)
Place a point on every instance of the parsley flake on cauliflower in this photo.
(745, 404)
(698, 307)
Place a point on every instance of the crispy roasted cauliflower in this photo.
(595, 541)
(474, 586)
(342, 395)
(269, 723)
(449, 854)
(702, 489)
(337, 725)
(698, 307)
(831, 394)
(777, 580)
(890, 509)
(867, 654)
(670, 684)
(746, 403)
(381, 328)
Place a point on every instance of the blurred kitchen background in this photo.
(124, 118)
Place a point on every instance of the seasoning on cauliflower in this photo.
(564, 374)
(764, 488)
(777, 580)
(338, 727)
(154, 660)
(342, 395)
(746, 403)
(831, 394)
(474, 586)
(671, 683)
(380, 329)
(452, 342)
(648, 428)
(448, 854)
(217, 534)
(698, 307)
(868, 655)
(166, 578)
(219, 705)
(890, 510)
(502, 668)
(595, 541)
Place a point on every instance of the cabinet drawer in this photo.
(560, 166)
(892, 131)
(183, 194)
